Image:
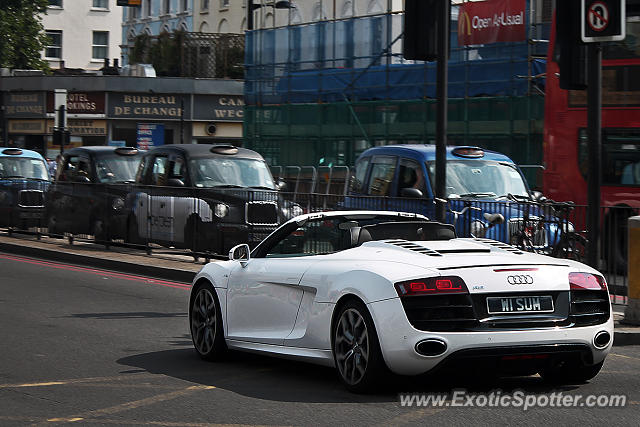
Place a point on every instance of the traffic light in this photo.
(570, 52)
(421, 28)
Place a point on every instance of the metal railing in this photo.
(207, 222)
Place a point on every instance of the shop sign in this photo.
(150, 135)
(30, 127)
(218, 108)
(82, 127)
(491, 21)
(24, 104)
(153, 106)
(80, 103)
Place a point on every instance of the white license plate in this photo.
(524, 304)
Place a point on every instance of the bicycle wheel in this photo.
(571, 246)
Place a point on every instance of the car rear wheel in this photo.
(205, 320)
(356, 349)
(571, 374)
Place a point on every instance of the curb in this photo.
(98, 262)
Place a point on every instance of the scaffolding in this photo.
(321, 93)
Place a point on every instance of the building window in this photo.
(185, 5)
(224, 4)
(55, 3)
(100, 48)
(204, 4)
(54, 46)
(166, 7)
(148, 9)
(101, 4)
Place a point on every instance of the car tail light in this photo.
(432, 286)
(587, 281)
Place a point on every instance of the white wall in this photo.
(78, 19)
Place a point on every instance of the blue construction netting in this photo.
(360, 59)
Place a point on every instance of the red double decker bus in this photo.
(565, 137)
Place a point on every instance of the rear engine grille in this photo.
(500, 245)
(413, 247)
(440, 312)
(539, 233)
(589, 307)
(262, 213)
(31, 198)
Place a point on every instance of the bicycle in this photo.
(571, 245)
(492, 219)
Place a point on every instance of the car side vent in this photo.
(412, 247)
(500, 245)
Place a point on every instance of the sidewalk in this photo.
(180, 268)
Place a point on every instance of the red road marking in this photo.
(97, 272)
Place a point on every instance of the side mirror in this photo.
(414, 193)
(281, 185)
(240, 253)
(175, 182)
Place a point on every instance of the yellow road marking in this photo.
(133, 405)
(624, 357)
(124, 422)
(64, 382)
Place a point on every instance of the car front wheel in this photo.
(356, 349)
(206, 323)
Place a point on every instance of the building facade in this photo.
(154, 17)
(117, 110)
(82, 33)
(325, 85)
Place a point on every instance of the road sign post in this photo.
(602, 20)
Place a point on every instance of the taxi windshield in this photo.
(481, 178)
(226, 172)
(23, 168)
(116, 168)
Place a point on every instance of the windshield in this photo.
(480, 178)
(23, 167)
(217, 171)
(117, 168)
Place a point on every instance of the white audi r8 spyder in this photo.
(367, 290)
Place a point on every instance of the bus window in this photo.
(620, 156)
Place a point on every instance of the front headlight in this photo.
(117, 204)
(295, 210)
(220, 210)
(478, 229)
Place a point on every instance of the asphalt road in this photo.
(88, 347)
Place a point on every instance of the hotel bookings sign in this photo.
(491, 21)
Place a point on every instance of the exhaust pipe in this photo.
(602, 339)
(431, 347)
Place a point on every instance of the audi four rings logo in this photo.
(520, 279)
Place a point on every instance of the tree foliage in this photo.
(22, 36)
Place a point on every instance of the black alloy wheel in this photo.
(205, 321)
